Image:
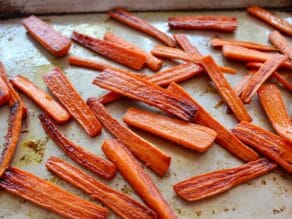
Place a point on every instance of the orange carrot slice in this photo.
(240, 86)
(137, 23)
(61, 87)
(114, 51)
(46, 195)
(225, 138)
(152, 156)
(213, 183)
(281, 43)
(4, 92)
(120, 203)
(42, 99)
(44, 34)
(140, 181)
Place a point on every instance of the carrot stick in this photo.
(92, 162)
(270, 19)
(113, 51)
(12, 136)
(138, 88)
(42, 99)
(122, 204)
(192, 136)
(46, 195)
(44, 34)
(213, 183)
(270, 145)
(137, 23)
(225, 138)
(72, 101)
(240, 86)
(135, 175)
(258, 78)
(151, 61)
(4, 92)
(152, 156)
(273, 104)
(281, 43)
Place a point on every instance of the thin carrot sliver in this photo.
(240, 86)
(4, 92)
(186, 45)
(281, 43)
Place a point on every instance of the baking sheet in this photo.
(269, 196)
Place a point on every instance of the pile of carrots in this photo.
(185, 122)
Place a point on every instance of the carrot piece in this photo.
(137, 23)
(134, 174)
(225, 138)
(281, 43)
(49, 196)
(258, 78)
(44, 34)
(270, 145)
(270, 19)
(240, 86)
(72, 101)
(12, 136)
(4, 92)
(213, 183)
(140, 89)
(273, 104)
(41, 98)
(120, 203)
(92, 162)
(152, 156)
(217, 23)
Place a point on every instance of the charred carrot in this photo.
(218, 23)
(225, 138)
(4, 92)
(273, 104)
(92, 162)
(41, 98)
(258, 78)
(72, 101)
(281, 43)
(271, 19)
(152, 156)
(46, 195)
(140, 181)
(270, 145)
(137, 23)
(213, 183)
(44, 34)
(122, 204)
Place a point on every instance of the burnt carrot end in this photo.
(137, 23)
(270, 145)
(152, 156)
(213, 183)
(46, 195)
(273, 104)
(139, 180)
(92, 162)
(122, 204)
(4, 92)
(44, 34)
(217, 23)
(225, 138)
(61, 87)
(279, 41)
(183, 41)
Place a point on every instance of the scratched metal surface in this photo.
(269, 196)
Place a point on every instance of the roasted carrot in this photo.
(44, 34)
(140, 181)
(122, 204)
(137, 23)
(138, 88)
(273, 104)
(12, 136)
(152, 156)
(271, 19)
(217, 23)
(192, 136)
(225, 138)
(240, 86)
(46, 195)
(4, 92)
(92, 162)
(281, 43)
(61, 87)
(213, 183)
(270, 145)
(258, 78)
(42, 99)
